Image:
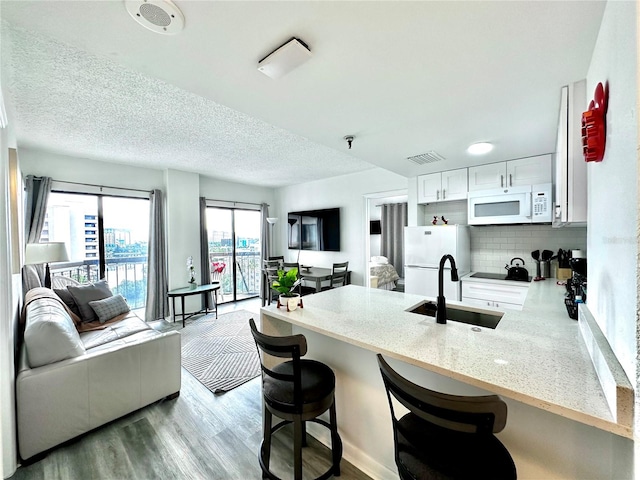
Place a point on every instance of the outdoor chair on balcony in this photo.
(217, 272)
(58, 281)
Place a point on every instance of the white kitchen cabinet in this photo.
(501, 295)
(512, 173)
(570, 167)
(443, 186)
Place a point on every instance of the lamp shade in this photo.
(37, 253)
(272, 220)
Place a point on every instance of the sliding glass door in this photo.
(106, 237)
(234, 251)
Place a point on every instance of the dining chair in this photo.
(339, 273)
(286, 266)
(270, 273)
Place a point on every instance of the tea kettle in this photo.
(516, 272)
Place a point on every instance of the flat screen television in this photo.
(315, 230)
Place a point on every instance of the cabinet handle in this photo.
(510, 180)
(444, 193)
(437, 194)
(488, 304)
(501, 180)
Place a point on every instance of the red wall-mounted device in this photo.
(594, 126)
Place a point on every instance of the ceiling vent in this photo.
(160, 16)
(424, 158)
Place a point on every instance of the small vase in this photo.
(193, 285)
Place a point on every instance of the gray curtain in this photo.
(37, 194)
(205, 264)
(392, 223)
(264, 248)
(157, 302)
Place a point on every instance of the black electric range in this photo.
(497, 276)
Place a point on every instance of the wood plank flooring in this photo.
(198, 435)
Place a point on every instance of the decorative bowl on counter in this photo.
(306, 268)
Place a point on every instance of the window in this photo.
(234, 251)
(106, 237)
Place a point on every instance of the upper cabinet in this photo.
(443, 186)
(570, 168)
(513, 173)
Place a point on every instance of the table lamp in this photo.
(38, 253)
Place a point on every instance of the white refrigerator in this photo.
(423, 249)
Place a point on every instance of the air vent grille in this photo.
(423, 158)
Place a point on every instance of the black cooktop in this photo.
(497, 276)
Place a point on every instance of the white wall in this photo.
(216, 189)
(10, 292)
(82, 170)
(346, 192)
(612, 185)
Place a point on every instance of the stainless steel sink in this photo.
(469, 315)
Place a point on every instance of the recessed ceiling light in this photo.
(480, 148)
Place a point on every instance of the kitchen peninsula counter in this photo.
(535, 356)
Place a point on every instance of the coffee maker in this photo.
(576, 286)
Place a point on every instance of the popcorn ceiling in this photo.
(71, 102)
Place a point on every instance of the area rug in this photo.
(220, 352)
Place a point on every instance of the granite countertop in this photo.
(535, 356)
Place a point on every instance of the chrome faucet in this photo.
(441, 311)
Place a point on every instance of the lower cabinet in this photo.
(494, 295)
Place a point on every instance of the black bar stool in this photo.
(297, 391)
(446, 436)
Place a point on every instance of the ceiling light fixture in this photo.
(285, 58)
(480, 148)
(160, 16)
(349, 139)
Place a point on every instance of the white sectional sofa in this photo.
(69, 383)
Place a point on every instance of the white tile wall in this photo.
(492, 247)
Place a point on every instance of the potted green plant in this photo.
(285, 284)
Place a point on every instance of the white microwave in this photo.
(527, 204)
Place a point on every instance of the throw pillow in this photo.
(50, 335)
(83, 294)
(68, 300)
(109, 307)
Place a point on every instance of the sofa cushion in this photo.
(83, 294)
(109, 307)
(128, 326)
(50, 334)
(68, 299)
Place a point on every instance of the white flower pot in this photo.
(290, 302)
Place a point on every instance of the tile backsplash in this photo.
(493, 246)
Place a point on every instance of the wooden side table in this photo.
(183, 292)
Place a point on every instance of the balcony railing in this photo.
(248, 272)
(126, 276)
